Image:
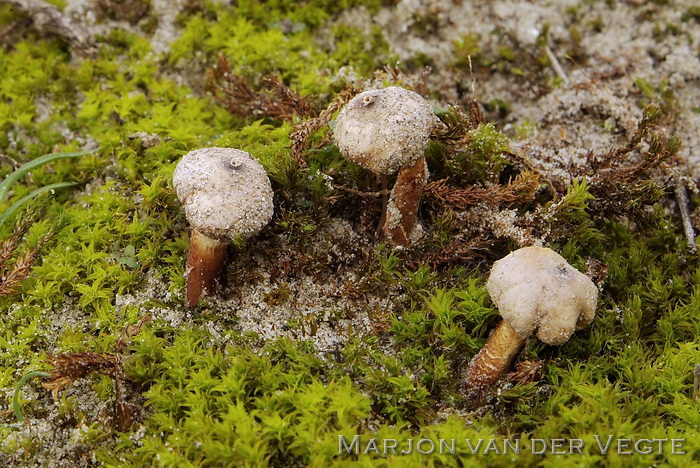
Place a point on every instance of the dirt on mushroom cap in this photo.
(535, 288)
(225, 192)
(384, 129)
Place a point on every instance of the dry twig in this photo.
(682, 199)
(459, 251)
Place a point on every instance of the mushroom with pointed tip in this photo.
(385, 131)
(536, 292)
(225, 194)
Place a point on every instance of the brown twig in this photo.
(19, 272)
(13, 162)
(9, 245)
(682, 199)
(362, 194)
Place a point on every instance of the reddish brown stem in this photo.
(404, 203)
(385, 202)
(494, 359)
(205, 261)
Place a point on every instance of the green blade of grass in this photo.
(35, 193)
(21, 171)
(18, 390)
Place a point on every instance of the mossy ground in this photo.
(206, 389)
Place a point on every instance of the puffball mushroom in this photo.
(536, 292)
(385, 131)
(225, 194)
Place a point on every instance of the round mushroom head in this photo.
(225, 192)
(385, 129)
(536, 290)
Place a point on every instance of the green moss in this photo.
(485, 151)
(467, 48)
(693, 12)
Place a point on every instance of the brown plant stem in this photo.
(404, 203)
(205, 261)
(385, 202)
(682, 199)
(494, 359)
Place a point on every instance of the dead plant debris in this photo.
(69, 367)
(273, 100)
(13, 272)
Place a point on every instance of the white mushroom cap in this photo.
(384, 129)
(535, 288)
(225, 192)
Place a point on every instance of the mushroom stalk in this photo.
(404, 203)
(495, 357)
(205, 261)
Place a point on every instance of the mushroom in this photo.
(226, 194)
(536, 292)
(385, 131)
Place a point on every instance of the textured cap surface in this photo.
(535, 288)
(225, 192)
(384, 129)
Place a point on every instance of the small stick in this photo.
(362, 194)
(471, 73)
(13, 162)
(555, 64)
(682, 199)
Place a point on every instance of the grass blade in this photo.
(22, 170)
(35, 193)
(18, 389)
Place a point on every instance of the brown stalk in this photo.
(19, 270)
(494, 359)
(404, 203)
(205, 261)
